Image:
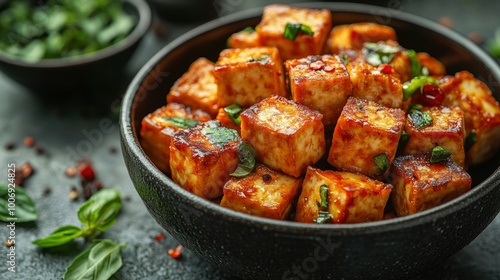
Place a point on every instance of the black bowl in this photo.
(258, 248)
(100, 68)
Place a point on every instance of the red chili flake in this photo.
(86, 171)
(385, 68)
(317, 65)
(159, 237)
(175, 253)
(431, 95)
(29, 141)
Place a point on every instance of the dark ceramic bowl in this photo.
(257, 248)
(68, 74)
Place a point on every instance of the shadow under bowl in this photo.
(258, 248)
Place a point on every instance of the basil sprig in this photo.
(101, 260)
(416, 83)
(181, 122)
(323, 214)
(419, 118)
(96, 216)
(439, 154)
(292, 30)
(378, 53)
(246, 154)
(24, 209)
(234, 111)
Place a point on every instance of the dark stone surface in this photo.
(62, 127)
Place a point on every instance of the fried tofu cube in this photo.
(435, 67)
(246, 38)
(366, 137)
(371, 83)
(351, 198)
(274, 21)
(446, 130)
(481, 113)
(202, 158)
(286, 136)
(157, 129)
(402, 65)
(420, 185)
(264, 192)
(196, 88)
(353, 36)
(321, 83)
(246, 76)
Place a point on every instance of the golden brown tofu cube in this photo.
(226, 121)
(366, 137)
(446, 130)
(321, 83)
(286, 136)
(246, 76)
(420, 185)
(157, 129)
(353, 36)
(481, 113)
(351, 198)
(435, 67)
(246, 38)
(264, 192)
(276, 17)
(196, 88)
(201, 158)
(374, 84)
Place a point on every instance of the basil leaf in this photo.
(220, 135)
(416, 83)
(439, 154)
(181, 122)
(378, 53)
(16, 205)
(323, 214)
(415, 66)
(99, 261)
(419, 118)
(99, 212)
(292, 30)
(246, 154)
(470, 140)
(382, 162)
(60, 236)
(234, 111)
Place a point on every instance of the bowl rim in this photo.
(131, 142)
(144, 21)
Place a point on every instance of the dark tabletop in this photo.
(67, 128)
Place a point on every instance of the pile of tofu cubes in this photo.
(334, 135)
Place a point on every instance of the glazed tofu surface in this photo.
(353, 36)
(247, 38)
(264, 192)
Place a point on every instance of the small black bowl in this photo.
(258, 248)
(103, 67)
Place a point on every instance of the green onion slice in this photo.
(293, 29)
(470, 140)
(416, 83)
(234, 111)
(382, 162)
(419, 118)
(181, 122)
(323, 214)
(378, 53)
(439, 154)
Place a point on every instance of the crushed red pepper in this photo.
(175, 253)
(159, 237)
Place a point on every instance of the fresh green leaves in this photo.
(246, 154)
(324, 214)
(438, 154)
(263, 59)
(220, 135)
(416, 67)
(470, 140)
(382, 162)
(16, 205)
(419, 118)
(181, 122)
(292, 30)
(100, 261)
(248, 29)
(378, 53)
(416, 83)
(234, 111)
(403, 140)
(96, 216)
(494, 44)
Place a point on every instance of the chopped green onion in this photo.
(378, 53)
(323, 214)
(416, 83)
(323, 193)
(403, 140)
(181, 122)
(246, 154)
(439, 154)
(220, 135)
(234, 111)
(248, 29)
(382, 162)
(415, 66)
(262, 59)
(470, 140)
(344, 59)
(419, 118)
(323, 217)
(293, 29)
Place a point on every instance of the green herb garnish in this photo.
(382, 162)
(220, 135)
(181, 122)
(234, 111)
(494, 44)
(470, 140)
(323, 214)
(344, 59)
(403, 140)
(23, 208)
(248, 29)
(416, 67)
(293, 29)
(416, 83)
(262, 59)
(246, 154)
(378, 53)
(419, 118)
(439, 154)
